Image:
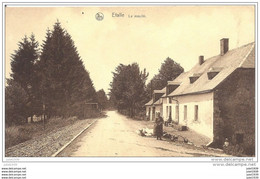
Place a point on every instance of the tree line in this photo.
(51, 80)
(128, 89)
(48, 79)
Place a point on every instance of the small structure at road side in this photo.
(216, 98)
(90, 109)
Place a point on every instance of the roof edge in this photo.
(197, 92)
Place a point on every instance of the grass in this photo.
(15, 135)
(21, 133)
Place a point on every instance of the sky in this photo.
(182, 33)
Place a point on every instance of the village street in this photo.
(116, 135)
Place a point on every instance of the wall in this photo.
(234, 109)
(157, 108)
(204, 124)
(164, 114)
(167, 112)
(148, 115)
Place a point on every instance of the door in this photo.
(153, 115)
(149, 113)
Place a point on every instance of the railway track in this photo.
(74, 138)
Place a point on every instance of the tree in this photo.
(23, 68)
(22, 62)
(65, 84)
(102, 99)
(128, 88)
(169, 71)
(16, 103)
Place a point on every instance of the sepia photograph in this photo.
(135, 81)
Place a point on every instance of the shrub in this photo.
(15, 135)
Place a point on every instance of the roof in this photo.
(149, 103)
(173, 83)
(160, 91)
(242, 57)
(157, 102)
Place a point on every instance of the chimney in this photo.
(201, 59)
(223, 46)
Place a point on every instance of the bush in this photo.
(15, 135)
(16, 106)
(240, 150)
(250, 150)
(21, 133)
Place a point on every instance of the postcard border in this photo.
(90, 4)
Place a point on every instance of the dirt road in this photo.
(116, 135)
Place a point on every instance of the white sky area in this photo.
(182, 33)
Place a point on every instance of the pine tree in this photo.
(23, 68)
(66, 85)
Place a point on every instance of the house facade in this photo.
(216, 98)
(154, 106)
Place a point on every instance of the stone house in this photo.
(216, 98)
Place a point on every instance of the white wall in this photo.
(164, 114)
(167, 112)
(204, 124)
(158, 109)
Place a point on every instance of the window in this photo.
(153, 113)
(170, 100)
(211, 75)
(196, 115)
(193, 79)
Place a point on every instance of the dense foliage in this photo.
(102, 99)
(65, 84)
(16, 103)
(23, 77)
(169, 71)
(128, 88)
(53, 81)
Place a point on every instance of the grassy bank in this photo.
(21, 133)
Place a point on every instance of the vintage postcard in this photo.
(126, 80)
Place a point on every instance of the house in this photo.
(154, 106)
(216, 98)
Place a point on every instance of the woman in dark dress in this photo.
(158, 127)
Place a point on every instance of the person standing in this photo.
(158, 127)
